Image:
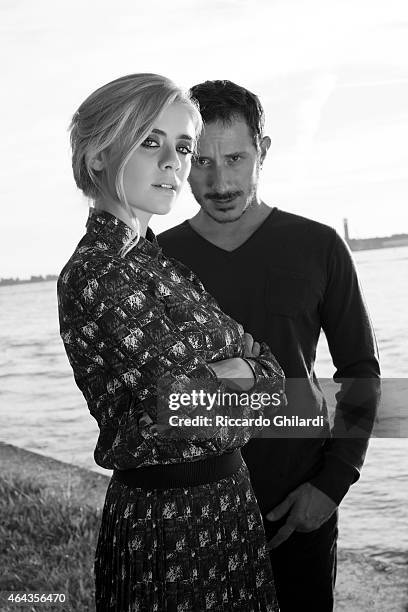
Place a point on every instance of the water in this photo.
(42, 410)
(374, 514)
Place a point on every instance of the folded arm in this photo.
(120, 341)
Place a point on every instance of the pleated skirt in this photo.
(183, 550)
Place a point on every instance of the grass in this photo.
(47, 544)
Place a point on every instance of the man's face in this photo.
(224, 175)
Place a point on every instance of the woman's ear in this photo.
(96, 162)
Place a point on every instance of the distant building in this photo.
(383, 242)
(346, 231)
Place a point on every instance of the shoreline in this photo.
(363, 583)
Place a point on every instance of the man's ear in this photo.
(264, 146)
(96, 162)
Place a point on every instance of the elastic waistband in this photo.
(176, 475)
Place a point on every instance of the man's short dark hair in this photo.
(224, 101)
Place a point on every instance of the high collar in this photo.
(112, 231)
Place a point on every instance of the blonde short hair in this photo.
(113, 121)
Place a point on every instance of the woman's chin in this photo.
(156, 206)
(164, 208)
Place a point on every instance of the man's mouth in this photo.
(224, 199)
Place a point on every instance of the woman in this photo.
(180, 527)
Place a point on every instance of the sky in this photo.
(332, 76)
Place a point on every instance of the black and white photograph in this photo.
(204, 306)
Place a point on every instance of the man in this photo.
(285, 278)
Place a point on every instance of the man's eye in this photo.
(184, 150)
(235, 158)
(201, 161)
(149, 143)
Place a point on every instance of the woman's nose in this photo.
(170, 159)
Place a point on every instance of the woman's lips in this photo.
(166, 187)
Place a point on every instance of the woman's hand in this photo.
(236, 371)
(252, 348)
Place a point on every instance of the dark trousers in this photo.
(304, 567)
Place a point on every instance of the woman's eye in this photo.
(235, 158)
(184, 150)
(149, 143)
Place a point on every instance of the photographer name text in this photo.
(259, 421)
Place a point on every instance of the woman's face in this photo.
(159, 167)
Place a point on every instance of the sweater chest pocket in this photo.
(288, 293)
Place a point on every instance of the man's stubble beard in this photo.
(223, 221)
(251, 201)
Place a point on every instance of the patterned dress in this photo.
(127, 321)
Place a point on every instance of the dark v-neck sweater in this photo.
(291, 278)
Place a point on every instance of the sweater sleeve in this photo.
(120, 342)
(353, 348)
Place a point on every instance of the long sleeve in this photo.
(119, 341)
(124, 330)
(352, 344)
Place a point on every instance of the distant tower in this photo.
(346, 231)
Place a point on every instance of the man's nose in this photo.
(218, 179)
(170, 159)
